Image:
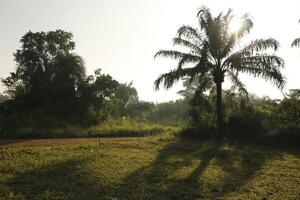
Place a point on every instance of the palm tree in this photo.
(296, 42)
(214, 54)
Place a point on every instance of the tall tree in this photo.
(214, 52)
(96, 94)
(41, 59)
(50, 83)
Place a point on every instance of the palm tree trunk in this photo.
(219, 107)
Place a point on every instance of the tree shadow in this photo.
(194, 170)
(182, 170)
(66, 179)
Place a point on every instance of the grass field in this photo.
(109, 128)
(147, 168)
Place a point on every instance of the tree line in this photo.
(50, 86)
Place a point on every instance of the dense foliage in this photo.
(251, 118)
(50, 86)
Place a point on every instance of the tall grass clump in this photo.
(111, 128)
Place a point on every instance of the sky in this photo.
(122, 36)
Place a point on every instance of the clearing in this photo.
(146, 168)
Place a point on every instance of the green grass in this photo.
(123, 127)
(110, 128)
(148, 168)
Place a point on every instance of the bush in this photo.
(247, 125)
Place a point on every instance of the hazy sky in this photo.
(122, 36)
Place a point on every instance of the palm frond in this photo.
(234, 60)
(228, 16)
(262, 45)
(267, 67)
(199, 71)
(204, 12)
(273, 75)
(188, 44)
(177, 55)
(296, 43)
(168, 79)
(205, 18)
(205, 83)
(228, 39)
(229, 46)
(182, 62)
(264, 61)
(258, 45)
(237, 83)
(264, 66)
(189, 32)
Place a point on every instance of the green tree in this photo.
(289, 111)
(95, 96)
(50, 82)
(43, 59)
(212, 52)
(125, 95)
(48, 75)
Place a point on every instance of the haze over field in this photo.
(122, 37)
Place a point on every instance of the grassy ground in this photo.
(110, 128)
(148, 168)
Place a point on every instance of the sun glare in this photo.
(235, 25)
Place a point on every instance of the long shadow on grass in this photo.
(66, 179)
(194, 170)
